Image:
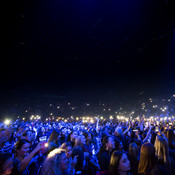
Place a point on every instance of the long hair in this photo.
(133, 150)
(147, 158)
(51, 165)
(114, 163)
(65, 145)
(78, 141)
(103, 147)
(54, 136)
(19, 145)
(161, 150)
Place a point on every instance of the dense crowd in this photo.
(110, 147)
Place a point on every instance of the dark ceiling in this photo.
(90, 44)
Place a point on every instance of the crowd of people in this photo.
(104, 147)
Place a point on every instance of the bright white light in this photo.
(111, 117)
(7, 122)
(46, 145)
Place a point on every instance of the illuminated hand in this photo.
(39, 146)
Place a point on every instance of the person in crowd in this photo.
(171, 138)
(27, 135)
(71, 161)
(72, 136)
(118, 144)
(5, 135)
(162, 153)
(119, 163)
(6, 163)
(78, 151)
(23, 163)
(105, 152)
(133, 155)
(54, 140)
(147, 159)
(56, 163)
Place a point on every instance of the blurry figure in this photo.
(56, 163)
(105, 152)
(6, 165)
(78, 151)
(71, 161)
(72, 136)
(133, 154)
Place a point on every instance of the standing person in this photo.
(78, 150)
(133, 155)
(147, 159)
(23, 160)
(162, 153)
(71, 161)
(105, 152)
(72, 136)
(119, 164)
(56, 163)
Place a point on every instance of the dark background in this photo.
(90, 49)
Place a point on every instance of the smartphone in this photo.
(156, 129)
(43, 138)
(135, 130)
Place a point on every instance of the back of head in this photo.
(161, 149)
(147, 158)
(133, 150)
(65, 145)
(54, 136)
(105, 141)
(118, 131)
(78, 141)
